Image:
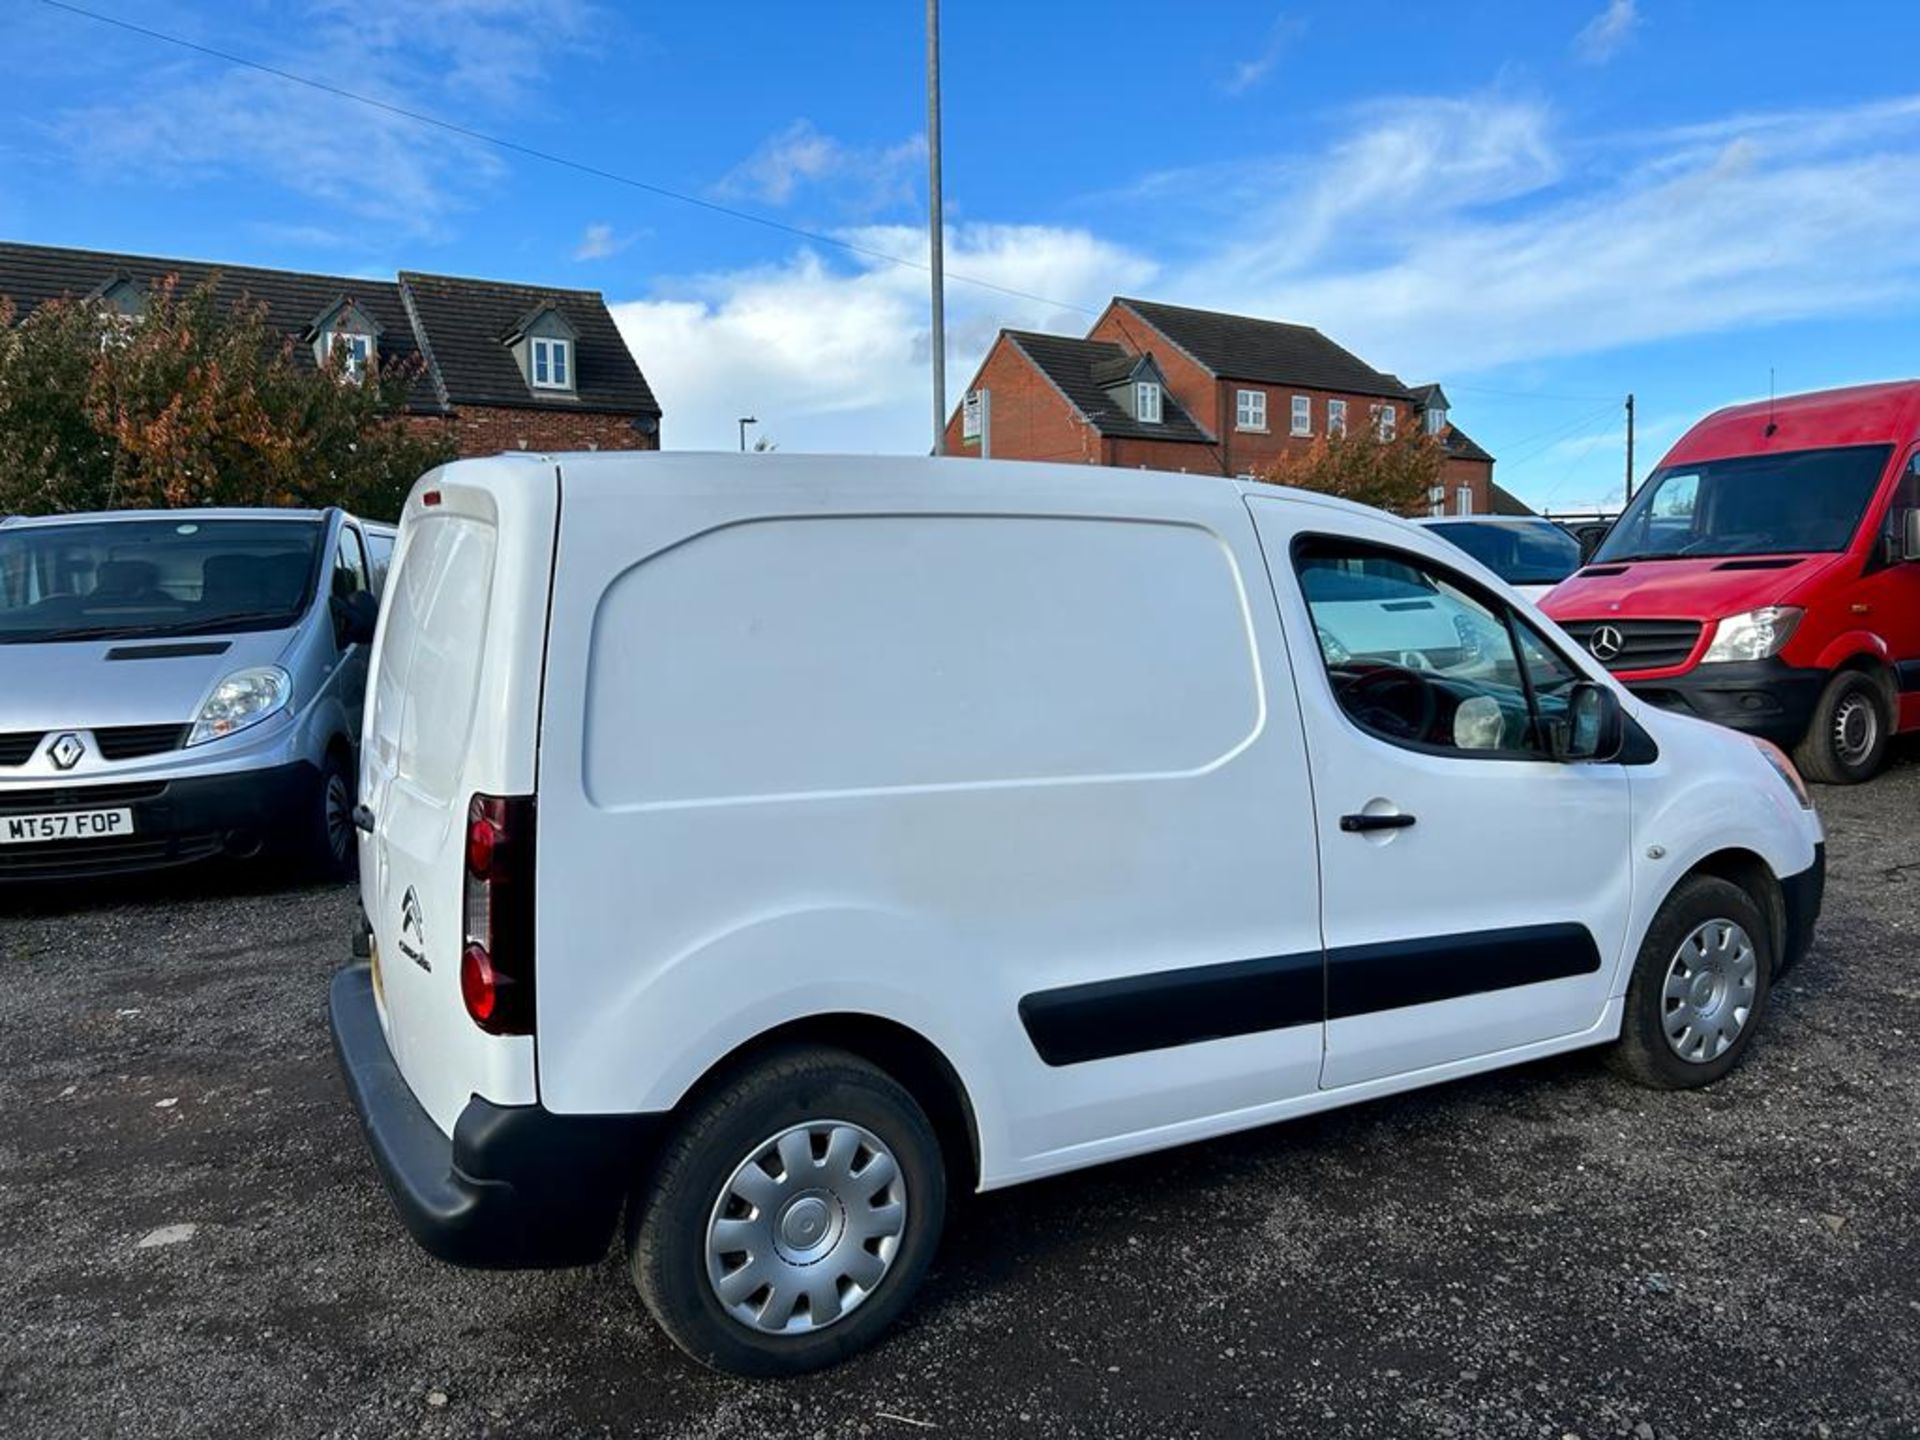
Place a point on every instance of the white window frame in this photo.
(359, 351)
(1437, 499)
(1336, 417)
(1436, 420)
(551, 356)
(1250, 410)
(1146, 402)
(1300, 415)
(1383, 421)
(1463, 499)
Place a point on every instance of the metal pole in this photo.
(934, 227)
(1629, 445)
(745, 420)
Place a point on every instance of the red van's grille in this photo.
(1635, 644)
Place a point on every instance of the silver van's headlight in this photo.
(1755, 635)
(244, 698)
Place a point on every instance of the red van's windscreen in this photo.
(1790, 503)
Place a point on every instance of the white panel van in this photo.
(756, 849)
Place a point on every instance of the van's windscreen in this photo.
(1793, 502)
(117, 579)
(1523, 552)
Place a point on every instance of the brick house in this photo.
(1166, 387)
(502, 366)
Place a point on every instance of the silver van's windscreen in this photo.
(114, 579)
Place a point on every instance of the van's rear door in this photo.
(453, 711)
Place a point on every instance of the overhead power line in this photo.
(548, 157)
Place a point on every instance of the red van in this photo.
(1765, 577)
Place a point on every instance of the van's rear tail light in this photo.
(496, 961)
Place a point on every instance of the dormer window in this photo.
(1437, 420)
(1146, 402)
(552, 363)
(356, 353)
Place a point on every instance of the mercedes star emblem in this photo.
(1606, 643)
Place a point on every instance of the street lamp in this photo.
(745, 420)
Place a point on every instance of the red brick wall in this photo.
(1478, 474)
(487, 430)
(1030, 419)
(1131, 454)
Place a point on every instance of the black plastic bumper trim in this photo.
(1768, 698)
(1804, 894)
(516, 1187)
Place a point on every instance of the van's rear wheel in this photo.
(791, 1215)
(330, 847)
(1847, 741)
(1699, 987)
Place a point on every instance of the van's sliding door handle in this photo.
(363, 819)
(1361, 824)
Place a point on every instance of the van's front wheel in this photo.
(791, 1215)
(1847, 740)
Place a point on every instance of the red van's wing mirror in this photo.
(1910, 533)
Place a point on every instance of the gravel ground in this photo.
(193, 1241)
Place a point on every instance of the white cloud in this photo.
(799, 155)
(193, 122)
(1249, 73)
(1607, 33)
(600, 240)
(832, 358)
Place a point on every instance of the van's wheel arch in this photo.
(1852, 725)
(809, 1184)
(1699, 986)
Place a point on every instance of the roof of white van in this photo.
(725, 465)
(209, 513)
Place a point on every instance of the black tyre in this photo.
(791, 1215)
(330, 851)
(1699, 987)
(1847, 739)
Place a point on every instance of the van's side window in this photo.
(1906, 496)
(1420, 657)
(349, 564)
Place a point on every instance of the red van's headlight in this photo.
(1753, 635)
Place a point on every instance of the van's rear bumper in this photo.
(1768, 698)
(516, 1187)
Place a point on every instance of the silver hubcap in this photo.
(806, 1227)
(339, 815)
(1709, 992)
(1856, 727)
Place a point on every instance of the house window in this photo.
(1336, 417)
(1436, 420)
(552, 363)
(1250, 410)
(1303, 415)
(1436, 500)
(1146, 401)
(1463, 500)
(1383, 419)
(356, 350)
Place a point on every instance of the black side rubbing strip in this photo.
(1105, 1018)
(1365, 979)
(1907, 672)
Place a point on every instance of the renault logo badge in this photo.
(1606, 643)
(66, 752)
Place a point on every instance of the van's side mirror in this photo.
(354, 618)
(1910, 533)
(1593, 730)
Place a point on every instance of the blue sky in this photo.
(1543, 205)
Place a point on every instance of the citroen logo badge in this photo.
(1606, 643)
(66, 752)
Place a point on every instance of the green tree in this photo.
(194, 403)
(1393, 475)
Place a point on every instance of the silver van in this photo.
(179, 685)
